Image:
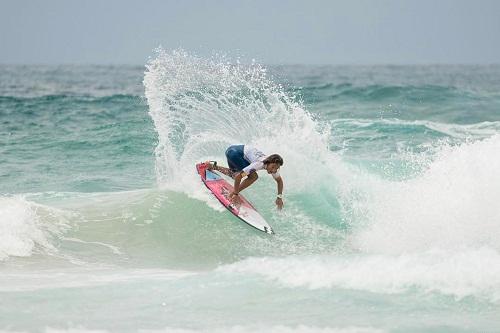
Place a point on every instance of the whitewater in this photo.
(391, 220)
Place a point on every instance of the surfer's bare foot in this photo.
(209, 165)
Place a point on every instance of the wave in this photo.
(22, 232)
(69, 97)
(158, 228)
(399, 148)
(63, 142)
(459, 274)
(379, 93)
(18, 112)
(73, 80)
(451, 204)
(371, 127)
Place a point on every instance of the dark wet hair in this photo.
(274, 158)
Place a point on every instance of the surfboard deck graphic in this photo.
(221, 189)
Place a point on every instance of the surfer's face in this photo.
(272, 167)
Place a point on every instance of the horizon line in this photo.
(381, 64)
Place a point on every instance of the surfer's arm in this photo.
(241, 185)
(279, 200)
(233, 196)
(237, 182)
(279, 181)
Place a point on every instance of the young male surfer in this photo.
(245, 161)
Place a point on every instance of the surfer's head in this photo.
(272, 163)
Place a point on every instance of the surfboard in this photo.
(221, 190)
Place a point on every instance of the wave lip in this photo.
(20, 231)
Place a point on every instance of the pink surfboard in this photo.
(221, 189)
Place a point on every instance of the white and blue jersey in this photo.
(247, 159)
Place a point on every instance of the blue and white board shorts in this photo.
(236, 158)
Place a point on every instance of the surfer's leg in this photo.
(228, 172)
(214, 166)
(235, 160)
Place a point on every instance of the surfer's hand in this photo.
(279, 203)
(234, 198)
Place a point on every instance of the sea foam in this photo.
(452, 205)
(456, 274)
(20, 231)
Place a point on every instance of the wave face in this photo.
(391, 188)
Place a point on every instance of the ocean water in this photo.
(392, 189)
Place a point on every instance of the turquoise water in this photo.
(391, 219)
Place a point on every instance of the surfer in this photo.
(245, 161)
